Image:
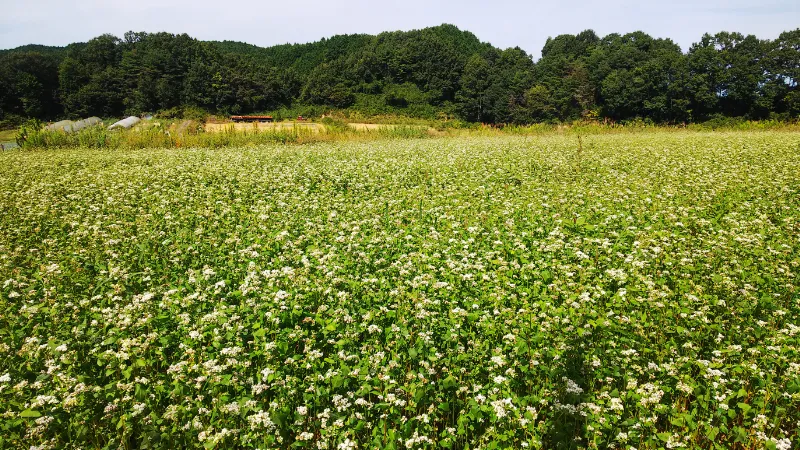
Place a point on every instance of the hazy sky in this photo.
(504, 23)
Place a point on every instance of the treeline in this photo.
(438, 71)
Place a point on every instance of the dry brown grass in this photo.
(379, 126)
(264, 127)
(216, 127)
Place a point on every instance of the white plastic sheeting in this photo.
(125, 123)
(70, 126)
(85, 123)
(64, 125)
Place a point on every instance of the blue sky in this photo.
(504, 23)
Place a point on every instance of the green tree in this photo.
(727, 75)
(89, 78)
(638, 76)
(329, 85)
(420, 72)
(563, 72)
(29, 85)
(538, 106)
(783, 73)
(472, 97)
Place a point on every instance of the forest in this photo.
(429, 73)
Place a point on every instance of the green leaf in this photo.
(741, 393)
(546, 276)
(30, 413)
(744, 407)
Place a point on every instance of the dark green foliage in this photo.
(783, 73)
(494, 84)
(90, 78)
(429, 73)
(639, 76)
(473, 96)
(728, 75)
(330, 84)
(29, 85)
(562, 72)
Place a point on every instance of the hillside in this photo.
(423, 73)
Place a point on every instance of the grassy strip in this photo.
(157, 138)
(337, 130)
(8, 135)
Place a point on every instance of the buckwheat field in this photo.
(633, 291)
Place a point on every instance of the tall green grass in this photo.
(158, 137)
(99, 137)
(580, 127)
(32, 136)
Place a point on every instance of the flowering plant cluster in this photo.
(636, 292)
